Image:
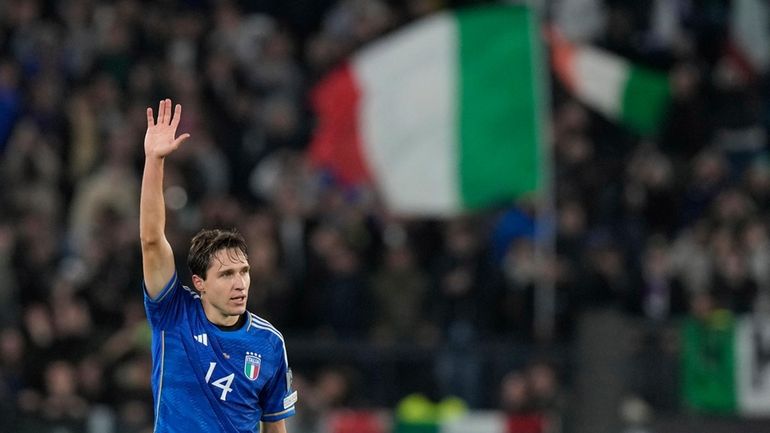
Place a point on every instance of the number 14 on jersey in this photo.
(222, 383)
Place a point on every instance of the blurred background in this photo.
(657, 267)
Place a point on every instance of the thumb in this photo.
(180, 139)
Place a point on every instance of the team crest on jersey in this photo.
(251, 365)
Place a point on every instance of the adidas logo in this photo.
(202, 339)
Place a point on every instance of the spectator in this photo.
(344, 296)
(660, 294)
(399, 290)
(516, 401)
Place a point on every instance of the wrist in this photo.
(154, 158)
(153, 161)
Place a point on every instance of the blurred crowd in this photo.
(644, 224)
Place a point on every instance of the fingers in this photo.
(167, 111)
(177, 116)
(165, 115)
(161, 107)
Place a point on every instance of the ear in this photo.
(198, 283)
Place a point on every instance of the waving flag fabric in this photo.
(443, 116)
(622, 91)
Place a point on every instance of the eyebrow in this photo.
(221, 271)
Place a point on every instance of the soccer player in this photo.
(216, 367)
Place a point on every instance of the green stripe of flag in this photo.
(645, 99)
(499, 131)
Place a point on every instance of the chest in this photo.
(235, 367)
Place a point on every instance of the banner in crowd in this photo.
(620, 90)
(442, 116)
(726, 365)
(708, 361)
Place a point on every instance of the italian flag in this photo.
(443, 116)
(252, 370)
(622, 91)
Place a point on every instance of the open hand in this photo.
(160, 138)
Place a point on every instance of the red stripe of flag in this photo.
(337, 142)
(563, 58)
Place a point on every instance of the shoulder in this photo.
(173, 287)
(260, 326)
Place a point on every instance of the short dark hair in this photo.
(207, 242)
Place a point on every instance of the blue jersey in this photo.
(205, 379)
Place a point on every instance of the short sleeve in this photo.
(278, 398)
(165, 310)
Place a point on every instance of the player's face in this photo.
(226, 287)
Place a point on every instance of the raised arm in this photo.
(159, 142)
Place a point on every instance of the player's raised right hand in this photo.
(160, 139)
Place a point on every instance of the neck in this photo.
(238, 324)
